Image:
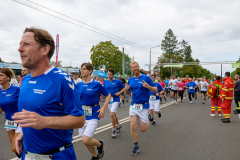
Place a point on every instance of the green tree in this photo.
(237, 70)
(106, 55)
(59, 64)
(127, 61)
(1, 60)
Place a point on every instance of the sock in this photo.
(113, 129)
(136, 144)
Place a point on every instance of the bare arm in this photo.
(1, 110)
(34, 120)
(102, 110)
(120, 92)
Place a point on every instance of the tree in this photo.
(237, 70)
(53, 63)
(106, 55)
(1, 60)
(127, 61)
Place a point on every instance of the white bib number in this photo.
(33, 156)
(10, 124)
(87, 110)
(153, 97)
(180, 88)
(137, 107)
(190, 87)
(111, 99)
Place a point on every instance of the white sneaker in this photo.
(176, 102)
(212, 115)
(190, 101)
(220, 115)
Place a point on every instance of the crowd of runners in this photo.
(41, 126)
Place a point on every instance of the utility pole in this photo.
(171, 67)
(123, 70)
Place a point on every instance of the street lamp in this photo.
(150, 59)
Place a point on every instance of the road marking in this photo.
(239, 116)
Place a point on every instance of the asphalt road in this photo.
(185, 132)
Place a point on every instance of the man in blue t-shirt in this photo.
(140, 85)
(167, 87)
(90, 91)
(48, 100)
(191, 89)
(113, 85)
(154, 102)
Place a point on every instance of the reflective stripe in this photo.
(213, 109)
(231, 88)
(225, 89)
(224, 95)
(228, 97)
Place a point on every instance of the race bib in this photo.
(153, 97)
(205, 87)
(34, 156)
(137, 107)
(10, 124)
(87, 110)
(111, 99)
(190, 87)
(180, 88)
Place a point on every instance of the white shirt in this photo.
(14, 81)
(203, 88)
(170, 83)
(77, 81)
(196, 82)
(174, 84)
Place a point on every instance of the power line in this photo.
(117, 39)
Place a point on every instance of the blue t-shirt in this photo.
(140, 94)
(50, 94)
(159, 88)
(166, 82)
(9, 101)
(113, 87)
(191, 87)
(90, 96)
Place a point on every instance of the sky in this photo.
(212, 28)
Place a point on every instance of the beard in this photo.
(136, 72)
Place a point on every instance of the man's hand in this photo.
(157, 94)
(19, 143)
(127, 87)
(145, 84)
(102, 112)
(29, 119)
(117, 94)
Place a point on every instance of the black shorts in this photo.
(204, 92)
(175, 91)
(196, 90)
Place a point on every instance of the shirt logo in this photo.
(38, 91)
(32, 82)
(85, 85)
(71, 86)
(7, 95)
(89, 89)
(4, 92)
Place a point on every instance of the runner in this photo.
(196, 89)
(174, 84)
(191, 86)
(186, 81)
(216, 100)
(204, 88)
(167, 88)
(8, 103)
(90, 90)
(164, 87)
(139, 85)
(48, 100)
(76, 78)
(113, 85)
(25, 72)
(154, 104)
(122, 96)
(170, 87)
(181, 87)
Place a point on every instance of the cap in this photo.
(75, 73)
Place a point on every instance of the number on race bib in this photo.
(10, 124)
(190, 87)
(111, 99)
(153, 97)
(180, 88)
(138, 107)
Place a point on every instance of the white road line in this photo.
(239, 116)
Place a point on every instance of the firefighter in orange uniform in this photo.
(227, 97)
(217, 99)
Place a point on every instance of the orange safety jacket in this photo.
(219, 84)
(227, 89)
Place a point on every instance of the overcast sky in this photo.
(212, 28)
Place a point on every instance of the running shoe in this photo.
(135, 151)
(181, 100)
(202, 102)
(159, 115)
(153, 123)
(100, 150)
(95, 158)
(220, 115)
(118, 128)
(165, 98)
(150, 117)
(123, 101)
(114, 133)
(190, 101)
(212, 115)
(176, 102)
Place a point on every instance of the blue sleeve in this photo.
(70, 99)
(149, 81)
(103, 90)
(121, 85)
